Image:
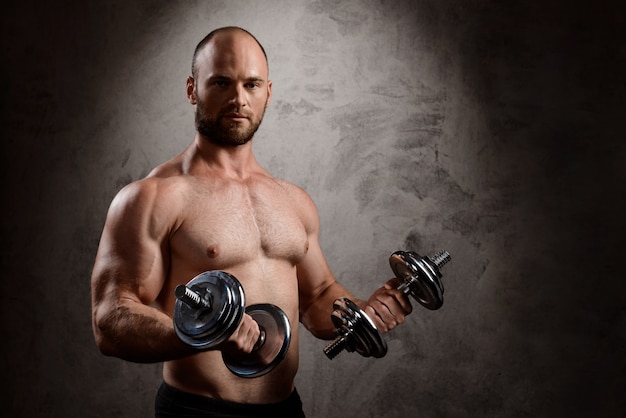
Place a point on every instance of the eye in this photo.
(252, 85)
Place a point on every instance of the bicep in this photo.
(314, 274)
(132, 260)
(318, 290)
(318, 287)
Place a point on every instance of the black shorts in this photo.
(171, 402)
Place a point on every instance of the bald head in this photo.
(225, 33)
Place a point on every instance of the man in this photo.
(213, 207)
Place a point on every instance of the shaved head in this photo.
(213, 34)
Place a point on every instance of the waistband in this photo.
(172, 399)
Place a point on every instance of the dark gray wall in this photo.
(492, 129)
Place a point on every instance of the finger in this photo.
(246, 335)
(404, 302)
(376, 319)
(391, 288)
(382, 316)
(394, 300)
(392, 283)
(252, 333)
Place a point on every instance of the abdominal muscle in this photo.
(205, 374)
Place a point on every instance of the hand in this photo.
(388, 306)
(245, 337)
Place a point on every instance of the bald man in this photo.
(213, 207)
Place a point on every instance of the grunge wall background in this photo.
(492, 129)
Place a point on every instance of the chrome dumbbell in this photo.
(419, 277)
(210, 308)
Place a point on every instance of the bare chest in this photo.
(228, 225)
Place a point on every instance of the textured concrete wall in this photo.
(492, 129)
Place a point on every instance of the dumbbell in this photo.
(419, 277)
(210, 307)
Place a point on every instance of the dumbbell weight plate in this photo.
(358, 329)
(419, 277)
(275, 324)
(206, 328)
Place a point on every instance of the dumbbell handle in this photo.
(195, 301)
(192, 298)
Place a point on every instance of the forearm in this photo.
(138, 333)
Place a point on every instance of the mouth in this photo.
(235, 117)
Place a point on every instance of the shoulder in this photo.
(163, 182)
(304, 204)
(153, 203)
(296, 193)
(148, 191)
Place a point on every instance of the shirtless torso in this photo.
(252, 229)
(186, 218)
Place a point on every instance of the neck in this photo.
(235, 161)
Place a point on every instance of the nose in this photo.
(238, 96)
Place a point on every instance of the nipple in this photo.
(213, 251)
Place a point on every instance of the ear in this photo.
(269, 93)
(191, 90)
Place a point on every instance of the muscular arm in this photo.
(318, 288)
(128, 275)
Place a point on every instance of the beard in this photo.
(225, 134)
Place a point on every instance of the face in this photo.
(231, 90)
